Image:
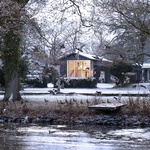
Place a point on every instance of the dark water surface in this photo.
(34, 137)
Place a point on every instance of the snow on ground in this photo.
(105, 88)
(39, 94)
(100, 87)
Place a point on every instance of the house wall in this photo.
(145, 75)
(97, 75)
(146, 70)
(138, 71)
(97, 67)
(63, 64)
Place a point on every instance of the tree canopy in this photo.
(129, 22)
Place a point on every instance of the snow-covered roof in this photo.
(146, 65)
(92, 57)
(87, 55)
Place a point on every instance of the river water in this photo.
(56, 137)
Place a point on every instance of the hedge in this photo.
(81, 83)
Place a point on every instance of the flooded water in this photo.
(33, 137)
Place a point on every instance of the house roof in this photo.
(94, 57)
(146, 65)
(89, 56)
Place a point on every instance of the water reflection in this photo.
(72, 138)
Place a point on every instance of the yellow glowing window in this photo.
(79, 68)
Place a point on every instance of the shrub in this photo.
(81, 83)
(119, 70)
(36, 83)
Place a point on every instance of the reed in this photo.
(71, 109)
(137, 106)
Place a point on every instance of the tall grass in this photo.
(137, 106)
(70, 109)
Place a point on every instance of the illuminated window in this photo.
(79, 68)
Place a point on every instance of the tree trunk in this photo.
(12, 89)
(11, 60)
(11, 52)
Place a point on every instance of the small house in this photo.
(82, 65)
(146, 71)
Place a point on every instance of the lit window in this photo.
(79, 68)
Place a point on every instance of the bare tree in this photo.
(62, 29)
(129, 22)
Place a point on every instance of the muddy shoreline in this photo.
(98, 119)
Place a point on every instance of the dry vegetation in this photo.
(138, 106)
(69, 110)
(64, 110)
